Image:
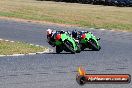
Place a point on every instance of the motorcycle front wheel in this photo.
(69, 46)
(94, 45)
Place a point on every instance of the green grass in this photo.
(9, 48)
(84, 15)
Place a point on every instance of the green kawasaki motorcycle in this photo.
(64, 41)
(88, 40)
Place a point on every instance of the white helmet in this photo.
(49, 31)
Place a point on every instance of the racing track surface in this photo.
(59, 70)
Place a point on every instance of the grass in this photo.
(84, 15)
(9, 48)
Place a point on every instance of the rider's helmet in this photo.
(62, 31)
(49, 32)
(74, 34)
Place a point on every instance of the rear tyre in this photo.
(82, 47)
(59, 49)
(78, 48)
(69, 46)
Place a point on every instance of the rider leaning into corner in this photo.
(50, 38)
(75, 34)
(50, 35)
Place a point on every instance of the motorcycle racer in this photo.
(74, 34)
(50, 34)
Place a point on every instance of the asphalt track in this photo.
(59, 70)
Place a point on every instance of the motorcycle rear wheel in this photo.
(82, 47)
(59, 49)
(78, 48)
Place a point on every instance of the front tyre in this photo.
(94, 45)
(69, 46)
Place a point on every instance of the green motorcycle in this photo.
(88, 40)
(64, 41)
